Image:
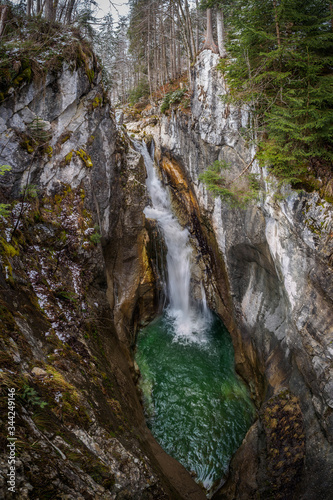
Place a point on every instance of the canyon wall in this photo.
(75, 280)
(277, 259)
(77, 277)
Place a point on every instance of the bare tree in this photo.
(49, 10)
(3, 17)
(209, 41)
(69, 11)
(220, 32)
(29, 8)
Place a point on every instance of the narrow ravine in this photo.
(196, 406)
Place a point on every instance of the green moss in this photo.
(8, 324)
(69, 407)
(26, 75)
(8, 249)
(49, 151)
(28, 145)
(97, 101)
(69, 157)
(329, 199)
(90, 74)
(65, 138)
(84, 157)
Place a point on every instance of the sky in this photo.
(117, 8)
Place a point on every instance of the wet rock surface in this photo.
(278, 260)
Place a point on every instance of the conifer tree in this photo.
(282, 68)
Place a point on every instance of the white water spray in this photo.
(189, 321)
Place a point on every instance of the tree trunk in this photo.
(3, 17)
(185, 30)
(164, 68)
(220, 33)
(54, 10)
(331, 11)
(29, 7)
(63, 12)
(148, 53)
(209, 42)
(156, 81)
(48, 10)
(190, 30)
(69, 11)
(277, 27)
(172, 45)
(197, 26)
(179, 60)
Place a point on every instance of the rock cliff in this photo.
(75, 279)
(277, 255)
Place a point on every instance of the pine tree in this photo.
(281, 68)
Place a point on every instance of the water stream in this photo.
(196, 406)
(188, 324)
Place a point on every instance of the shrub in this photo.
(238, 191)
(142, 90)
(30, 191)
(95, 238)
(172, 98)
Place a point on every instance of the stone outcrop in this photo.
(76, 280)
(278, 259)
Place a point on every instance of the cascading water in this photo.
(190, 321)
(196, 407)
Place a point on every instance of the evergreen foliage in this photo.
(220, 182)
(281, 70)
(172, 98)
(142, 90)
(95, 238)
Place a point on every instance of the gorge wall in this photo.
(277, 271)
(75, 279)
(70, 304)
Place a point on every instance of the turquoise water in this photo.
(196, 406)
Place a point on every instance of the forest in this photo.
(276, 57)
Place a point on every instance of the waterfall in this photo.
(196, 407)
(189, 320)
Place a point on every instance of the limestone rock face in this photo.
(50, 132)
(75, 279)
(278, 258)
